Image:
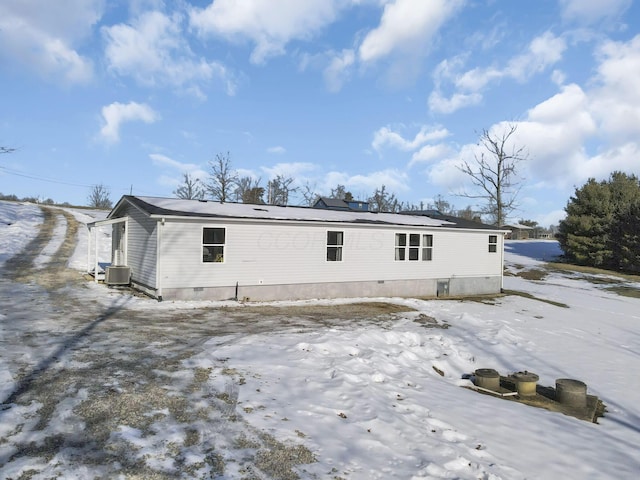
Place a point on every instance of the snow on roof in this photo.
(517, 225)
(167, 207)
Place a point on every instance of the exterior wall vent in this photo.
(118, 275)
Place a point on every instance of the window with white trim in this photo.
(335, 241)
(413, 247)
(427, 248)
(401, 246)
(213, 241)
(493, 243)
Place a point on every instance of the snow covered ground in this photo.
(367, 399)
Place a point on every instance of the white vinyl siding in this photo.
(277, 253)
(141, 247)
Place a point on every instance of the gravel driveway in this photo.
(98, 387)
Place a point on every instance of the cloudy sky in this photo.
(363, 93)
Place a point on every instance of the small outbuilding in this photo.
(207, 250)
(517, 231)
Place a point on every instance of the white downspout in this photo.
(502, 265)
(126, 241)
(89, 250)
(95, 267)
(158, 262)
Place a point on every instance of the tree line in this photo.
(225, 185)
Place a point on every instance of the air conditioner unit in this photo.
(118, 276)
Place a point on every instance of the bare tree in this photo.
(384, 201)
(468, 214)
(222, 178)
(99, 197)
(494, 172)
(248, 190)
(279, 189)
(309, 194)
(341, 193)
(442, 205)
(190, 189)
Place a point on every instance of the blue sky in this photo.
(363, 93)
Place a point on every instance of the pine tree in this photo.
(597, 224)
(626, 231)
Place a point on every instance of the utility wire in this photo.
(60, 182)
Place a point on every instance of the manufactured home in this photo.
(176, 249)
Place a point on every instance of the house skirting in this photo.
(430, 288)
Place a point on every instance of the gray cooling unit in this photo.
(117, 276)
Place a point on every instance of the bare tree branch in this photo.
(99, 197)
(191, 188)
(309, 194)
(279, 189)
(495, 173)
(248, 190)
(222, 178)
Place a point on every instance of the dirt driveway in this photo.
(88, 374)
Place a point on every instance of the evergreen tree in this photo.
(597, 218)
(626, 232)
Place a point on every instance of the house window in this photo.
(213, 240)
(493, 243)
(401, 246)
(335, 241)
(414, 246)
(419, 247)
(427, 248)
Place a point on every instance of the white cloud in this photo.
(363, 185)
(44, 36)
(165, 161)
(406, 25)
(168, 165)
(295, 170)
(541, 53)
(278, 150)
(592, 11)
(617, 99)
(153, 50)
(385, 136)
(439, 104)
(269, 24)
(561, 132)
(430, 153)
(115, 114)
(338, 70)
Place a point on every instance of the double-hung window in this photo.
(335, 241)
(401, 246)
(493, 243)
(213, 241)
(427, 248)
(413, 247)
